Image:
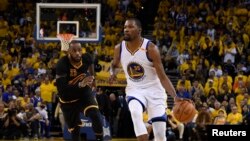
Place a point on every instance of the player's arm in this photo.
(91, 70)
(89, 59)
(116, 61)
(154, 55)
(91, 79)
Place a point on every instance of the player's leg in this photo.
(91, 110)
(94, 114)
(136, 108)
(71, 116)
(157, 100)
(159, 128)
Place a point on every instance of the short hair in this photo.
(74, 42)
(137, 21)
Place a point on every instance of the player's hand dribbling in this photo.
(178, 99)
(87, 81)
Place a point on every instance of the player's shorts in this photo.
(71, 111)
(153, 99)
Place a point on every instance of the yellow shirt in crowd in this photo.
(47, 91)
(234, 118)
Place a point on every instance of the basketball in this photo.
(184, 111)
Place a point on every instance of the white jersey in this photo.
(137, 67)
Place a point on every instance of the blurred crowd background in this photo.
(204, 43)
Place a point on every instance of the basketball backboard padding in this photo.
(88, 11)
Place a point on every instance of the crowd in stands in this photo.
(205, 41)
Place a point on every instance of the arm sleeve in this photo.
(89, 60)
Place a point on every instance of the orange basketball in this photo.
(184, 111)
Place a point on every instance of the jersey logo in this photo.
(135, 71)
(77, 79)
(73, 73)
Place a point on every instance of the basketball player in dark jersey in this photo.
(74, 80)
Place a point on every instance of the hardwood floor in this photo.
(61, 139)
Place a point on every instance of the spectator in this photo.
(4, 26)
(25, 100)
(171, 57)
(202, 120)
(211, 32)
(41, 70)
(226, 79)
(210, 85)
(220, 119)
(234, 117)
(216, 110)
(182, 91)
(201, 73)
(230, 51)
(224, 90)
(3, 121)
(246, 119)
(43, 120)
(7, 95)
(217, 70)
(183, 57)
(6, 81)
(32, 117)
(13, 124)
(36, 98)
(197, 89)
(240, 97)
(230, 68)
(185, 82)
(176, 126)
(48, 91)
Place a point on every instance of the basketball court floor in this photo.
(61, 139)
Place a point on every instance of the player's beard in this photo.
(75, 59)
(127, 38)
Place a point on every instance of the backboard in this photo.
(80, 19)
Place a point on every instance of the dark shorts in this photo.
(72, 111)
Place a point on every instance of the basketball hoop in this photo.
(65, 39)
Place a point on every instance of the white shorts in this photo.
(153, 99)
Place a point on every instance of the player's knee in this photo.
(159, 125)
(135, 114)
(135, 108)
(95, 116)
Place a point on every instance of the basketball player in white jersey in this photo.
(146, 80)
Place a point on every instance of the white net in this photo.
(65, 40)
